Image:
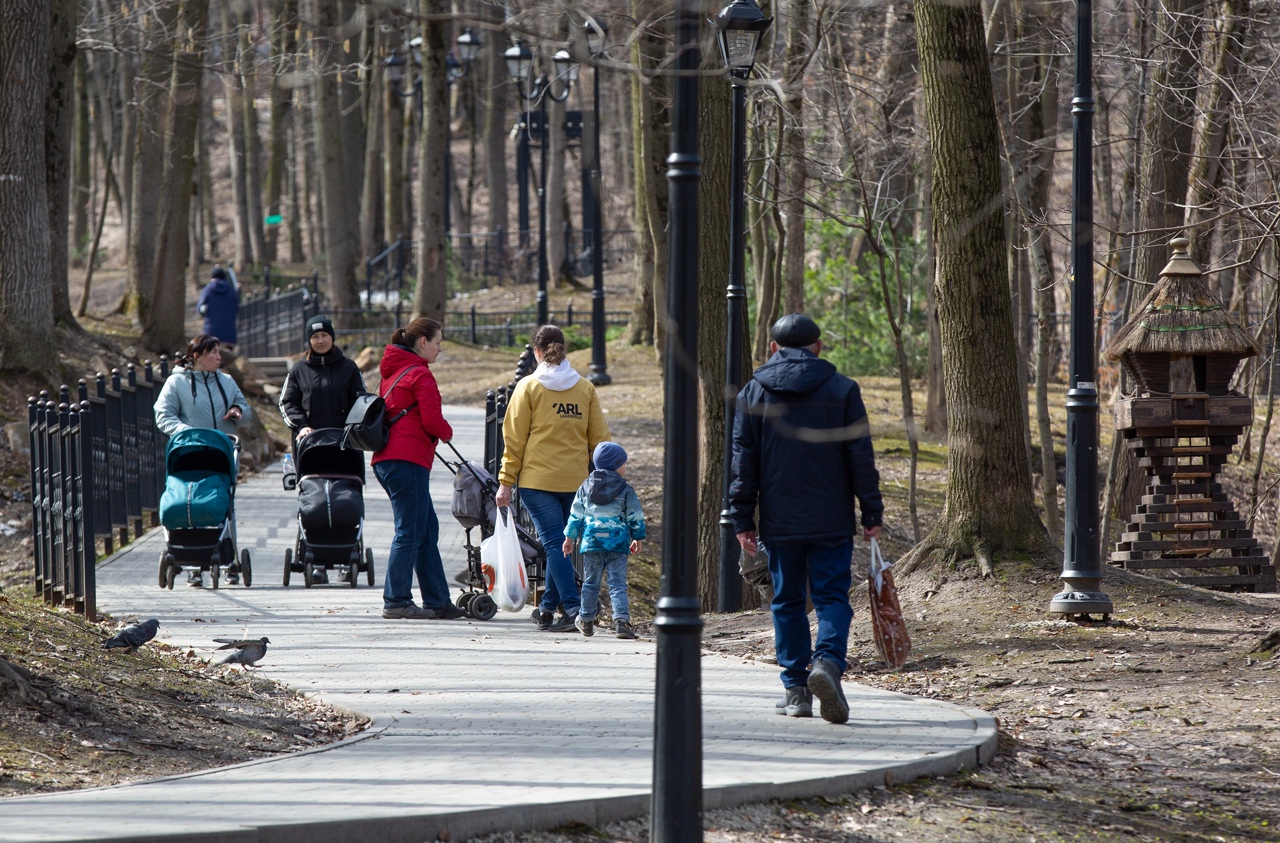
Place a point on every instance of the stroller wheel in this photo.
(464, 600)
(482, 607)
(171, 572)
(353, 569)
(288, 565)
(246, 569)
(368, 566)
(308, 575)
(164, 569)
(214, 571)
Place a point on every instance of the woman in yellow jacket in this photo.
(553, 425)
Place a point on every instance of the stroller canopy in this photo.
(321, 452)
(200, 449)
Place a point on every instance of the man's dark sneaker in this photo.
(233, 577)
(587, 628)
(412, 612)
(796, 702)
(544, 619)
(824, 683)
(564, 623)
(448, 612)
(195, 579)
(623, 629)
(320, 577)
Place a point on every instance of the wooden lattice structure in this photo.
(1182, 348)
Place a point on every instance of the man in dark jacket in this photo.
(802, 452)
(320, 389)
(218, 304)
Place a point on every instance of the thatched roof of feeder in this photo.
(1181, 315)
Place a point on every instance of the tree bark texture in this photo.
(81, 165)
(793, 161)
(26, 331)
(554, 183)
(60, 105)
(248, 61)
(283, 46)
(233, 87)
(494, 94)
(989, 505)
(651, 120)
(371, 191)
(433, 262)
(393, 109)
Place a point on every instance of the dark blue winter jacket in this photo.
(802, 450)
(218, 304)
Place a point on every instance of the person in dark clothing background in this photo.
(219, 303)
(321, 387)
(802, 452)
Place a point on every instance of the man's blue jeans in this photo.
(414, 548)
(597, 566)
(824, 572)
(550, 511)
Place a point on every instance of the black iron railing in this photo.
(619, 246)
(96, 473)
(504, 327)
(274, 324)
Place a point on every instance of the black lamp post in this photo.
(677, 732)
(596, 31)
(520, 62)
(742, 25)
(1081, 564)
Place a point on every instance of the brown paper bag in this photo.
(887, 626)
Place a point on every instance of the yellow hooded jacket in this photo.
(553, 425)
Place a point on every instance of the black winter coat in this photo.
(319, 391)
(802, 450)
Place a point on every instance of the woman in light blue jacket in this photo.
(196, 394)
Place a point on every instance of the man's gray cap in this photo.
(795, 330)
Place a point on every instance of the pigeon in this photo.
(133, 637)
(247, 652)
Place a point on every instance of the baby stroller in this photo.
(197, 509)
(473, 506)
(330, 511)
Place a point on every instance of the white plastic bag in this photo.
(502, 552)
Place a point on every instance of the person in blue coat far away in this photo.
(218, 304)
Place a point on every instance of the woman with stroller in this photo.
(403, 468)
(197, 394)
(319, 391)
(553, 424)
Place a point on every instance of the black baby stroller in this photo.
(330, 511)
(473, 506)
(197, 509)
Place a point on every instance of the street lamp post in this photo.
(1081, 564)
(676, 813)
(520, 64)
(742, 25)
(596, 32)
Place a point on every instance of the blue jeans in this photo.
(550, 511)
(597, 566)
(417, 530)
(824, 571)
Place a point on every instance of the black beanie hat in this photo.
(795, 330)
(218, 273)
(320, 323)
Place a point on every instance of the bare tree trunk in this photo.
(283, 46)
(989, 504)
(495, 127)
(82, 166)
(393, 221)
(59, 112)
(295, 207)
(351, 115)
(207, 209)
(651, 117)
(554, 181)
(371, 192)
(432, 264)
(793, 162)
(233, 85)
(26, 299)
(248, 52)
(764, 257)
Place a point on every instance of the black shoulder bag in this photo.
(367, 427)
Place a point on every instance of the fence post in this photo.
(568, 317)
(474, 339)
(266, 278)
(58, 448)
(88, 541)
(37, 499)
(511, 334)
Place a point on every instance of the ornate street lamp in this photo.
(596, 32)
(520, 63)
(742, 25)
(469, 45)
(677, 731)
(1081, 563)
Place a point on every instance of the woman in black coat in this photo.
(320, 389)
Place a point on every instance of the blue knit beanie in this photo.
(610, 456)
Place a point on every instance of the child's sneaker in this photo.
(587, 628)
(622, 629)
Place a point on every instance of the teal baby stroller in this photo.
(197, 509)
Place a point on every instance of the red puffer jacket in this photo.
(413, 438)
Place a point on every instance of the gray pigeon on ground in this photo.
(133, 637)
(247, 651)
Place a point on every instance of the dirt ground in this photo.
(1159, 725)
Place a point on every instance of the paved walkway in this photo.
(478, 726)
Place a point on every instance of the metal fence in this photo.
(97, 471)
(274, 324)
(619, 246)
(504, 327)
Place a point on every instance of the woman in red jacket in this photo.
(403, 468)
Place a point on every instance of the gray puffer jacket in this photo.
(199, 399)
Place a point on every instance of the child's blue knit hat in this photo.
(609, 455)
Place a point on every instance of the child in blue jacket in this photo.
(607, 523)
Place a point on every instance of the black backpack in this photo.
(367, 427)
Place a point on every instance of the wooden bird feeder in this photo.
(1182, 348)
